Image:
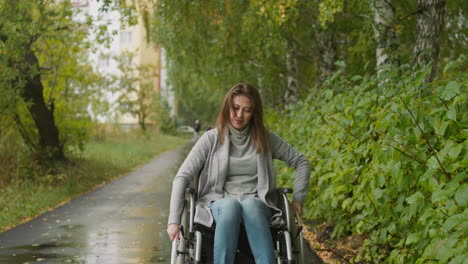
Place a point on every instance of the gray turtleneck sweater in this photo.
(241, 179)
(209, 162)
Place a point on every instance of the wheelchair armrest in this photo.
(284, 190)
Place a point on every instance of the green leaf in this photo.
(440, 195)
(329, 94)
(391, 228)
(429, 172)
(453, 221)
(377, 193)
(452, 113)
(432, 183)
(450, 65)
(451, 90)
(345, 203)
(413, 238)
(455, 151)
(432, 163)
(415, 198)
(379, 179)
(461, 196)
(460, 259)
(356, 78)
(341, 64)
(395, 169)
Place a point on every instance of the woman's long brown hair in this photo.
(257, 128)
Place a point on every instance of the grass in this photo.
(105, 159)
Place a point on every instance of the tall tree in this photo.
(326, 42)
(385, 35)
(429, 26)
(23, 63)
(45, 75)
(291, 94)
(326, 35)
(136, 87)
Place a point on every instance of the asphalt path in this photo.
(121, 222)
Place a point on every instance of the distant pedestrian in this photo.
(197, 126)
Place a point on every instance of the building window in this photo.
(125, 37)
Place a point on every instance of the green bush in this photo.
(389, 162)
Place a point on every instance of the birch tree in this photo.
(385, 36)
(291, 94)
(429, 25)
(326, 41)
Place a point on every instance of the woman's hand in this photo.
(298, 207)
(173, 231)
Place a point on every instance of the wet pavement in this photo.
(123, 221)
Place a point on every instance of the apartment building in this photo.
(125, 41)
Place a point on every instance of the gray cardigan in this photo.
(209, 159)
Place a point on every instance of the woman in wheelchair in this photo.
(233, 165)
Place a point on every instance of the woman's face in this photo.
(241, 112)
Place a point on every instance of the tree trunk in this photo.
(142, 121)
(327, 49)
(385, 36)
(291, 95)
(32, 94)
(429, 25)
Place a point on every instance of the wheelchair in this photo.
(196, 241)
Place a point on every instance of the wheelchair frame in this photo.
(288, 245)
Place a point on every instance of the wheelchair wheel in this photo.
(179, 251)
(177, 247)
(196, 255)
(300, 255)
(289, 249)
(298, 243)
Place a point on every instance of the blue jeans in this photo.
(228, 214)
